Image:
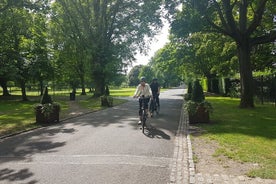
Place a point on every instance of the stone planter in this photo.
(200, 116)
(106, 101)
(51, 116)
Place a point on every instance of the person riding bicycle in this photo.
(143, 89)
(155, 88)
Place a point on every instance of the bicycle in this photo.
(154, 106)
(143, 112)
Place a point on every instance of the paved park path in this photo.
(101, 147)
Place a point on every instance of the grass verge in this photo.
(245, 135)
(17, 115)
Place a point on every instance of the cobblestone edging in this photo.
(180, 165)
(191, 165)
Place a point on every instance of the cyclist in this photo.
(155, 88)
(143, 89)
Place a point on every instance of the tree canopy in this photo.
(108, 32)
(74, 41)
(247, 23)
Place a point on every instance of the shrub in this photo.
(197, 92)
(190, 87)
(47, 111)
(107, 93)
(192, 106)
(197, 107)
(46, 98)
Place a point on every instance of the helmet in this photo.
(154, 79)
(143, 79)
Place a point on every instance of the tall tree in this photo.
(166, 66)
(70, 42)
(133, 75)
(17, 32)
(147, 72)
(248, 23)
(111, 31)
(41, 69)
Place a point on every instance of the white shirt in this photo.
(143, 90)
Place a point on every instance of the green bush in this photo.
(190, 87)
(46, 98)
(197, 92)
(192, 106)
(188, 95)
(107, 93)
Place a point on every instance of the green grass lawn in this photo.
(246, 135)
(16, 115)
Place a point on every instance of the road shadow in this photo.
(156, 134)
(21, 146)
(11, 175)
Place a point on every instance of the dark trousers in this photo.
(146, 101)
(156, 96)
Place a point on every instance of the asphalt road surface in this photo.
(105, 147)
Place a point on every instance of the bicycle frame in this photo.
(143, 112)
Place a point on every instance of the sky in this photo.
(159, 41)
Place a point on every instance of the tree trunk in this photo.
(246, 77)
(82, 86)
(23, 91)
(99, 84)
(41, 87)
(83, 90)
(74, 89)
(3, 84)
(99, 88)
(209, 84)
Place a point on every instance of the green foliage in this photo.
(188, 95)
(192, 106)
(196, 99)
(147, 72)
(46, 98)
(133, 76)
(204, 84)
(107, 93)
(46, 105)
(47, 108)
(246, 30)
(23, 41)
(197, 92)
(165, 67)
(104, 36)
(190, 88)
(106, 101)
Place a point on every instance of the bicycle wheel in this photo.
(151, 106)
(157, 108)
(143, 120)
